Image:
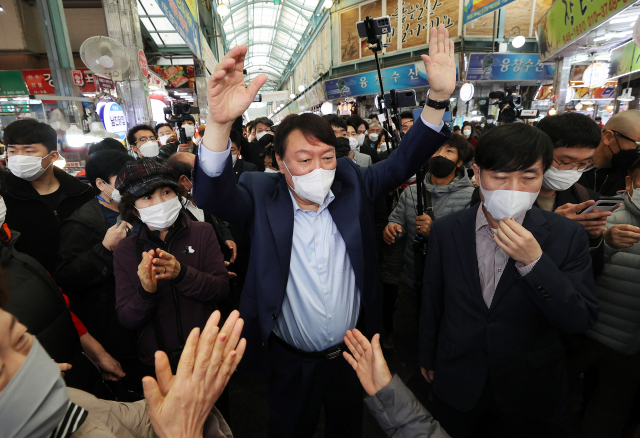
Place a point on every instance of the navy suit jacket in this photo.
(243, 166)
(515, 343)
(262, 204)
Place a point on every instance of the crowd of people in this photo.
(308, 252)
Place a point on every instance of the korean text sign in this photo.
(624, 59)
(393, 78)
(567, 20)
(508, 67)
(477, 8)
(183, 21)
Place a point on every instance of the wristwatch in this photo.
(437, 104)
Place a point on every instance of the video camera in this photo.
(176, 114)
(509, 102)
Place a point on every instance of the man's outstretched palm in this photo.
(367, 360)
(228, 97)
(440, 64)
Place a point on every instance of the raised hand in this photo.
(367, 360)
(146, 274)
(228, 97)
(440, 65)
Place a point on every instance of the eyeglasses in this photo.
(580, 167)
(637, 143)
(408, 123)
(145, 139)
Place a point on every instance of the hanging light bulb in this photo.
(327, 4)
(60, 162)
(301, 88)
(552, 112)
(292, 96)
(75, 137)
(223, 10)
(518, 41)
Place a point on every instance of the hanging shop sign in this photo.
(624, 60)
(142, 62)
(544, 92)
(178, 76)
(477, 8)
(77, 77)
(41, 81)
(207, 55)
(393, 78)
(12, 84)
(578, 93)
(104, 83)
(181, 18)
(113, 118)
(508, 67)
(568, 20)
(595, 75)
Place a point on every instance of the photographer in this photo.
(188, 123)
(262, 137)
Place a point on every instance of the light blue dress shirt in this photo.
(321, 301)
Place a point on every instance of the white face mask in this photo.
(635, 198)
(3, 211)
(382, 147)
(261, 134)
(234, 158)
(466, 132)
(503, 204)
(150, 149)
(269, 170)
(189, 130)
(164, 139)
(38, 389)
(482, 125)
(27, 167)
(250, 138)
(373, 137)
(490, 121)
(161, 216)
(360, 139)
(313, 186)
(556, 179)
(353, 143)
(115, 194)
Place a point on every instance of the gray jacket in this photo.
(618, 290)
(401, 415)
(447, 199)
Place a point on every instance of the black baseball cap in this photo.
(142, 176)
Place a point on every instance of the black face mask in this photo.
(440, 166)
(625, 158)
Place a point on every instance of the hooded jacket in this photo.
(202, 281)
(618, 289)
(448, 199)
(38, 223)
(86, 276)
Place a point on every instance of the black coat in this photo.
(86, 276)
(37, 302)
(368, 149)
(243, 166)
(606, 181)
(171, 148)
(515, 343)
(39, 224)
(252, 153)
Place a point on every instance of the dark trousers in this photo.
(299, 387)
(486, 420)
(406, 325)
(608, 409)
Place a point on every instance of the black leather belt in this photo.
(328, 354)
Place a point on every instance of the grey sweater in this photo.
(618, 290)
(447, 199)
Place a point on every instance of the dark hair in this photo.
(336, 121)
(456, 128)
(356, 121)
(466, 124)
(105, 165)
(311, 126)
(250, 126)
(187, 118)
(373, 116)
(265, 120)
(462, 146)
(130, 135)
(235, 138)
(180, 168)
(31, 131)
(512, 147)
(571, 130)
(598, 118)
(162, 125)
(108, 144)
(406, 115)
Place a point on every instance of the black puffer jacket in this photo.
(38, 223)
(38, 304)
(86, 276)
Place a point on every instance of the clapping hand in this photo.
(147, 276)
(165, 266)
(179, 405)
(367, 360)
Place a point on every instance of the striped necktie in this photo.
(72, 420)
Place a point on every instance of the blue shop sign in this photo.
(508, 67)
(184, 22)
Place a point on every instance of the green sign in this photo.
(12, 84)
(624, 60)
(568, 20)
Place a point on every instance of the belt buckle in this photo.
(333, 355)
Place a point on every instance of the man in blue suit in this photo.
(502, 282)
(313, 272)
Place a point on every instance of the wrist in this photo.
(440, 96)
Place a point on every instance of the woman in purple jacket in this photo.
(170, 274)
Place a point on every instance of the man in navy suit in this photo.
(313, 272)
(501, 282)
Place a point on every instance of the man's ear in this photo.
(459, 163)
(607, 137)
(184, 182)
(628, 182)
